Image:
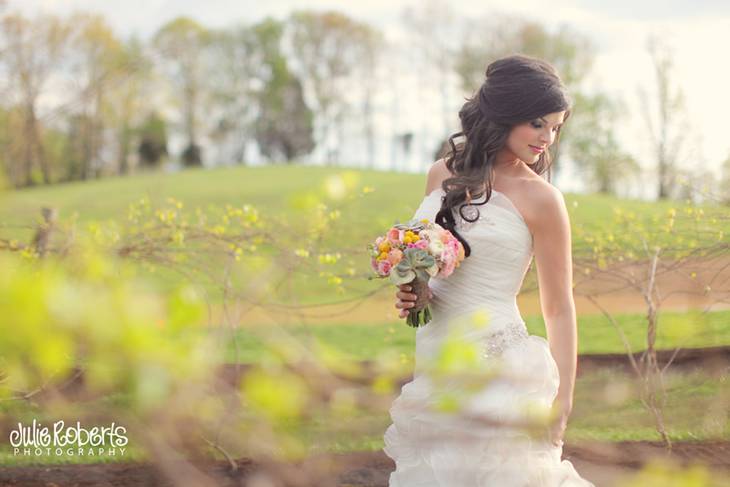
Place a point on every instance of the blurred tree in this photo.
(371, 45)
(666, 121)
(13, 147)
(192, 156)
(593, 146)
(326, 49)
(152, 141)
(284, 127)
(485, 40)
(128, 99)
(182, 43)
(77, 150)
(11, 123)
(695, 184)
(32, 50)
(433, 27)
(725, 182)
(97, 64)
(237, 62)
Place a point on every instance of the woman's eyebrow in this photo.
(546, 122)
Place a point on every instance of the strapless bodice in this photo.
(501, 252)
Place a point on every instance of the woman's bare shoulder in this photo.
(542, 199)
(437, 174)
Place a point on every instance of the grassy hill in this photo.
(274, 189)
(290, 191)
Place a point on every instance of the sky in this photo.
(697, 31)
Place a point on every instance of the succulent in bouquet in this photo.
(412, 253)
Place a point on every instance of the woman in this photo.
(490, 194)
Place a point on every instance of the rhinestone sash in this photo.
(496, 343)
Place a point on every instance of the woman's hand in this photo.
(556, 429)
(407, 299)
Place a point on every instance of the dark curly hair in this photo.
(517, 89)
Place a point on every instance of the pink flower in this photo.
(395, 236)
(448, 262)
(395, 256)
(384, 267)
(421, 244)
(454, 245)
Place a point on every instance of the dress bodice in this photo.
(501, 252)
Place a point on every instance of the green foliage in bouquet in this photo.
(416, 264)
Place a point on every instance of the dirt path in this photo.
(709, 359)
(381, 307)
(605, 464)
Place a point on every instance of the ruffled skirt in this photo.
(478, 416)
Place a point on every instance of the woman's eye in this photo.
(538, 125)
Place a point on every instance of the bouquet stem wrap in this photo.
(419, 314)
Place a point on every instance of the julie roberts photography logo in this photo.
(72, 440)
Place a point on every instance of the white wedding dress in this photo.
(480, 443)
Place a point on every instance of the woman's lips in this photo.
(536, 150)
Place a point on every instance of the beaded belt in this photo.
(497, 342)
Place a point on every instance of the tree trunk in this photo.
(39, 149)
(123, 167)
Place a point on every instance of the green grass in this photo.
(281, 190)
(606, 408)
(695, 408)
(278, 189)
(595, 335)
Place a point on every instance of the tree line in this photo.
(81, 102)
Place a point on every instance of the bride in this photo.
(490, 194)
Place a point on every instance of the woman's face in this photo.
(527, 141)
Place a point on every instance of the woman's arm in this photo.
(404, 298)
(552, 248)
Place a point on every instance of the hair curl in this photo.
(517, 89)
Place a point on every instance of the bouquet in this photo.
(412, 253)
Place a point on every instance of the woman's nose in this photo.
(547, 139)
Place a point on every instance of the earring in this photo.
(469, 212)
